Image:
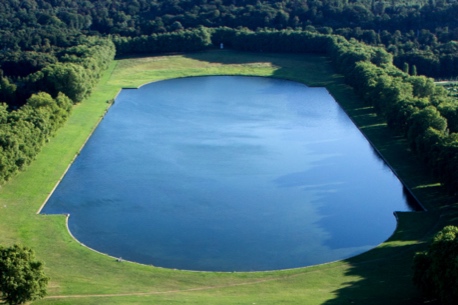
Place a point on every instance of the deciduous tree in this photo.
(436, 270)
(21, 276)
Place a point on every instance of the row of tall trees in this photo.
(423, 112)
(23, 132)
(33, 107)
(72, 70)
(433, 53)
(179, 41)
(413, 105)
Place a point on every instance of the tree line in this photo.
(143, 17)
(35, 106)
(420, 34)
(180, 41)
(433, 53)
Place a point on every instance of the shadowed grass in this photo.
(81, 276)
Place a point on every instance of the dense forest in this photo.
(53, 52)
(418, 33)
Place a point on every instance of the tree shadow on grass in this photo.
(385, 273)
(313, 70)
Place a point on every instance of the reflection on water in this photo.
(228, 174)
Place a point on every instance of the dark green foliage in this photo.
(422, 86)
(180, 41)
(223, 35)
(436, 270)
(7, 91)
(449, 109)
(24, 131)
(420, 33)
(428, 118)
(405, 68)
(38, 104)
(22, 278)
(68, 78)
(280, 41)
(143, 17)
(15, 63)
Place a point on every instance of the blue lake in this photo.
(229, 173)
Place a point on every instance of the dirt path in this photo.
(160, 292)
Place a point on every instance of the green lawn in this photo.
(81, 276)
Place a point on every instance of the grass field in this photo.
(81, 276)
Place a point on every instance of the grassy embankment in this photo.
(81, 276)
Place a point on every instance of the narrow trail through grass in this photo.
(81, 276)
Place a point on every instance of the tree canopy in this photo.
(436, 270)
(22, 278)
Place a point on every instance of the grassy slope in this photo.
(81, 276)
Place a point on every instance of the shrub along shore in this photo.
(81, 276)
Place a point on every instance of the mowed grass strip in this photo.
(81, 276)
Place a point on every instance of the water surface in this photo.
(228, 174)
